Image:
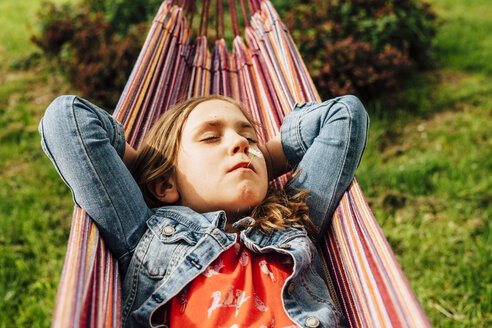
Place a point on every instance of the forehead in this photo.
(215, 110)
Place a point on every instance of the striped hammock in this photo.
(269, 77)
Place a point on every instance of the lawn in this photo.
(427, 169)
(426, 173)
(35, 208)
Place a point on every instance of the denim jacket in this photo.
(161, 250)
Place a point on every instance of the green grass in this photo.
(16, 17)
(465, 40)
(35, 207)
(430, 191)
(34, 212)
(426, 174)
(18, 23)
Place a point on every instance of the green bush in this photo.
(364, 47)
(96, 60)
(123, 14)
(56, 26)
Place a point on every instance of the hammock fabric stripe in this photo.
(268, 75)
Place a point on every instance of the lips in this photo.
(243, 165)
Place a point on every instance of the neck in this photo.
(230, 229)
(233, 217)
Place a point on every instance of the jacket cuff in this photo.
(292, 145)
(119, 142)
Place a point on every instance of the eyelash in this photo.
(210, 139)
(214, 138)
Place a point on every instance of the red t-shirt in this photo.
(239, 289)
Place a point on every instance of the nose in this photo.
(239, 144)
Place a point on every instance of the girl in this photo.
(200, 238)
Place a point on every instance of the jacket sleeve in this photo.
(325, 142)
(86, 146)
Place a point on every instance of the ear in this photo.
(164, 189)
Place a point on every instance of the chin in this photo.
(250, 197)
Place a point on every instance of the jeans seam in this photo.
(119, 136)
(298, 134)
(84, 147)
(133, 290)
(302, 280)
(44, 145)
(326, 220)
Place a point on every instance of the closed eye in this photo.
(210, 139)
(252, 140)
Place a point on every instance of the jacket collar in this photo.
(190, 218)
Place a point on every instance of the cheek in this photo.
(263, 176)
(195, 166)
(263, 168)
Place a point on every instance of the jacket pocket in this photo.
(170, 231)
(168, 243)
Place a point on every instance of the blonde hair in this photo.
(158, 154)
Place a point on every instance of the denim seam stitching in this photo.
(216, 239)
(347, 137)
(178, 218)
(120, 135)
(178, 250)
(133, 290)
(44, 145)
(180, 235)
(298, 134)
(84, 147)
(302, 280)
(293, 235)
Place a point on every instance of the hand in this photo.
(276, 161)
(129, 156)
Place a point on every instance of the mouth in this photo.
(243, 165)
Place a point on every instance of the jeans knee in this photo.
(55, 116)
(62, 102)
(357, 110)
(359, 125)
(58, 106)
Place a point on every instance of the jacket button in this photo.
(312, 322)
(284, 246)
(290, 289)
(168, 231)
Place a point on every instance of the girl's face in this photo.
(212, 171)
